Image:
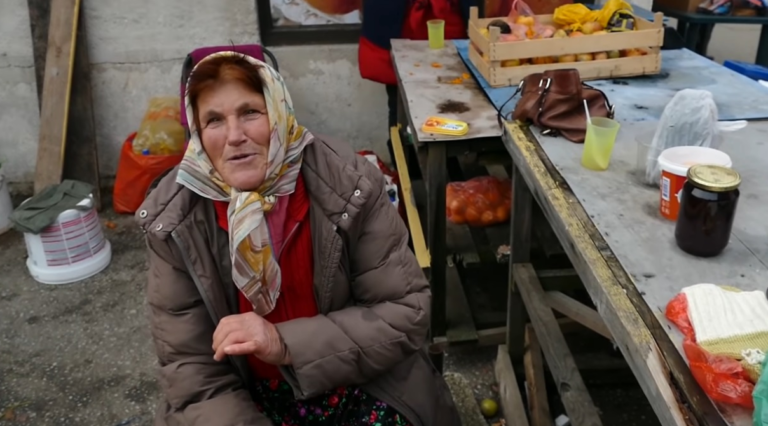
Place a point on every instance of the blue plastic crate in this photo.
(753, 71)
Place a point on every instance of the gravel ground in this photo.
(620, 401)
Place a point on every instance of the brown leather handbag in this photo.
(554, 102)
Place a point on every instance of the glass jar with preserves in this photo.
(707, 208)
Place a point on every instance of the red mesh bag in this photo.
(722, 378)
(481, 201)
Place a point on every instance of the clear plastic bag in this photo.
(689, 119)
(521, 17)
(481, 201)
(160, 132)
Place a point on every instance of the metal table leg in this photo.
(520, 242)
(692, 36)
(705, 34)
(436, 181)
(762, 47)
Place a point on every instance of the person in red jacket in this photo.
(384, 20)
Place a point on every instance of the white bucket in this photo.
(6, 207)
(674, 164)
(71, 249)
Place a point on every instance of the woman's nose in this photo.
(235, 133)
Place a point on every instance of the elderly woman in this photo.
(281, 286)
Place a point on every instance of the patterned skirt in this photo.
(348, 406)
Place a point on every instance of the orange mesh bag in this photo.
(481, 201)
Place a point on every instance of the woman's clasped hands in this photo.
(250, 334)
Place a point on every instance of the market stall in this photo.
(608, 223)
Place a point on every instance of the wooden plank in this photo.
(545, 237)
(571, 387)
(579, 312)
(538, 405)
(509, 393)
(520, 244)
(461, 326)
(617, 310)
(414, 222)
(59, 64)
(457, 102)
(81, 153)
(428, 91)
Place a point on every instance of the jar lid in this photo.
(714, 178)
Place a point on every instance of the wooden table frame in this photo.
(436, 155)
(658, 366)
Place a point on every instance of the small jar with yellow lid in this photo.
(707, 208)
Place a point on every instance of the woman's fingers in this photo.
(245, 348)
(226, 326)
(234, 337)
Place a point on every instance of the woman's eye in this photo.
(251, 112)
(212, 120)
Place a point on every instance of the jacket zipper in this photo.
(204, 296)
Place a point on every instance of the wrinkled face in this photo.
(234, 130)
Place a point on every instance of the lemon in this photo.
(489, 407)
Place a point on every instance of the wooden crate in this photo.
(487, 53)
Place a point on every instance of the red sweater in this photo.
(297, 297)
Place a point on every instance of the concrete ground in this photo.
(81, 354)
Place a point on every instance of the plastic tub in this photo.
(674, 164)
(71, 249)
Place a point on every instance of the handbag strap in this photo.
(608, 105)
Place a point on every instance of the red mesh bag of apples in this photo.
(481, 201)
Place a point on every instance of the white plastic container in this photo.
(71, 249)
(6, 207)
(674, 164)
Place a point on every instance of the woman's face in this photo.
(234, 129)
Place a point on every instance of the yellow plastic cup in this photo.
(598, 144)
(436, 31)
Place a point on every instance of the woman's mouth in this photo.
(240, 158)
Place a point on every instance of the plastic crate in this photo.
(753, 71)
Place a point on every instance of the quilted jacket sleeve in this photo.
(198, 390)
(389, 320)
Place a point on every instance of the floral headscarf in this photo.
(254, 268)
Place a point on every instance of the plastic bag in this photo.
(689, 119)
(723, 379)
(481, 201)
(135, 174)
(521, 13)
(760, 399)
(391, 183)
(160, 132)
(573, 16)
